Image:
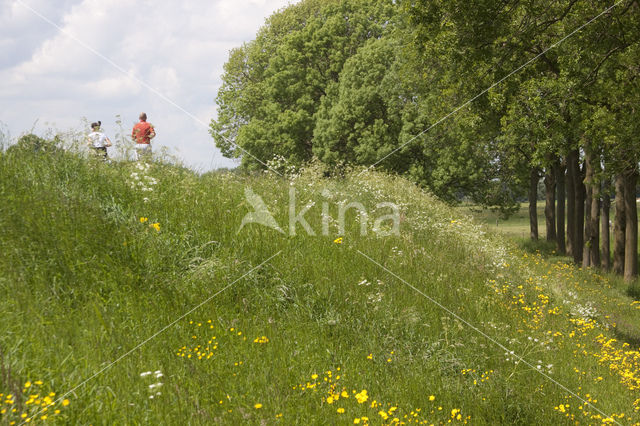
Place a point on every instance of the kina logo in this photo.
(260, 214)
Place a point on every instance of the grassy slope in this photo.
(86, 282)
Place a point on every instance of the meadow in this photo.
(517, 225)
(133, 296)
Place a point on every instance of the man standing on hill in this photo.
(142, 134)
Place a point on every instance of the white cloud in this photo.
(177, 48)
(115, 87)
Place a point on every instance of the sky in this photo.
(67, 61)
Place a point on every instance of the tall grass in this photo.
(97, 259)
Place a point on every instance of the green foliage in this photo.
(353, 94)
(404, 86)
(35, 144)
(359, 120)
(272, 86)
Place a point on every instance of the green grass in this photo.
(86, 282)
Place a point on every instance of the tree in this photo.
(272, 86)
(360, 119)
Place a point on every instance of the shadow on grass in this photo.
(545, 248)
(628, 333)
(634, 291)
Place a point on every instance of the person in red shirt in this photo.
(142, 134)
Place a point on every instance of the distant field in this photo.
(518, 224)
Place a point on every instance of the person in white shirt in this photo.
(98, 141)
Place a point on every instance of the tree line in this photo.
(480, 99)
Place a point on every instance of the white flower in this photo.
(146, 373)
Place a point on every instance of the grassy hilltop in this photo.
(101, 262)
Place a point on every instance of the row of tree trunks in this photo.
(588, 206)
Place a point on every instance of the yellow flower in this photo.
(370, 356)
(432, 397)
(314, 376)
(143, 219)
(27, 385)
(362, 396)
(65, 402)
(356, 421)
(258, 406)
(338, 240)
(155, 226)
(340, 410)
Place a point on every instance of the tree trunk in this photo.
(578, 217)
(592, 230)
(560, 190)
(594, 233)
(604, 230)
(631, 218)
(534, 177)
(550, 202)
(619, 228)
(586, 252)
(572, 160)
